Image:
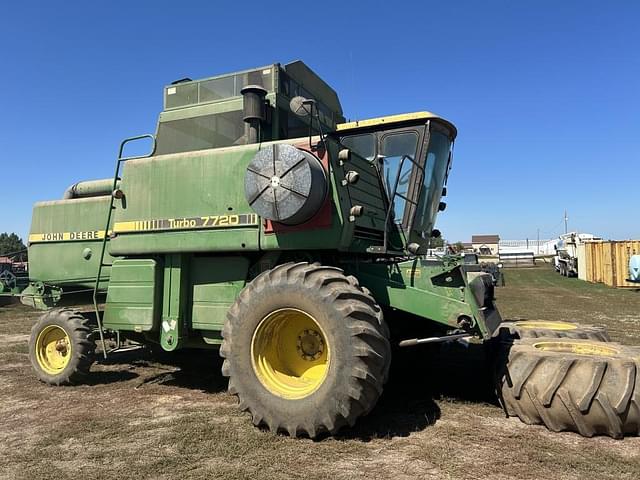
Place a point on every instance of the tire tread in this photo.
(588, 394)
(370, 347)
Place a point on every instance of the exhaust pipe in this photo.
(254, 111)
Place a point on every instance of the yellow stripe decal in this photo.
(66, 236)
(188, 223)
(157, 225)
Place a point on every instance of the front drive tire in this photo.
(306, 350)
(60, 347)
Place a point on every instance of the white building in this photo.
(485, 244)
(537, 247)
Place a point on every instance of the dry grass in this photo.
(143, 419)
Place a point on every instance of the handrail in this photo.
(395, 194)
(101, 264)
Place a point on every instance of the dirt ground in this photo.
(140, 418)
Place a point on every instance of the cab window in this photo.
(363, 145)
(393, 148)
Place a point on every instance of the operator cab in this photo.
(413, 155)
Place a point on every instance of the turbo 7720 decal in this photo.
(162, 224)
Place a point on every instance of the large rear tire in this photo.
(518, 329)
(583, 386)
(306, 350)
(61, 349)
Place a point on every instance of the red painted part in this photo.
(322, 219)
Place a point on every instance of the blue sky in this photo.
(546, 96)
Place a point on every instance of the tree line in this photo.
(11, 243)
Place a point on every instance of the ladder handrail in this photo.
(395, 194)
(105, 237)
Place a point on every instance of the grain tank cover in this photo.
(208, 113)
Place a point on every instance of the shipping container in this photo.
(608, 262)
(582, 261)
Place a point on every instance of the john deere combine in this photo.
(263, 225)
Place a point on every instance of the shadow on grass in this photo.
(190, 369)
(107, 377)
(6, 300)
(419, 377)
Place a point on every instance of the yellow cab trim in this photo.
(391, 119)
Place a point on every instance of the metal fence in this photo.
(517, 259)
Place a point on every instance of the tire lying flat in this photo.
(306, 350)
(517, 329)
(583, 386)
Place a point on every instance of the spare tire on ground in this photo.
(516, 329)
(583, 386)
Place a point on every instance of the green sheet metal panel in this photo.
(175, 301)
(186, 202)
(194, 202)
(65, 241)
(366, 192)
(189, 241)
(132, 296)
(427, 289)
(216, 283)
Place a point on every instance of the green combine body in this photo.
(264, 225)
(183, 240)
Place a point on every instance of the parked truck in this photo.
(566, 259)
(264, 225)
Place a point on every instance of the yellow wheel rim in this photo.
(53, 349)
(543, 324)
(579, 348)
(290, 354)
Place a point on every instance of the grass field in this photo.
(143, 419)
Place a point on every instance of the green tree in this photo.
(10, 243)
(458, 247)
(436, 242)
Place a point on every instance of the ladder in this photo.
(115, 193)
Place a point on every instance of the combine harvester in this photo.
(263, 225)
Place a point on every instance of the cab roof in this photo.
(393, 119)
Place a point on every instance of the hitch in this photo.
(446, 338)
